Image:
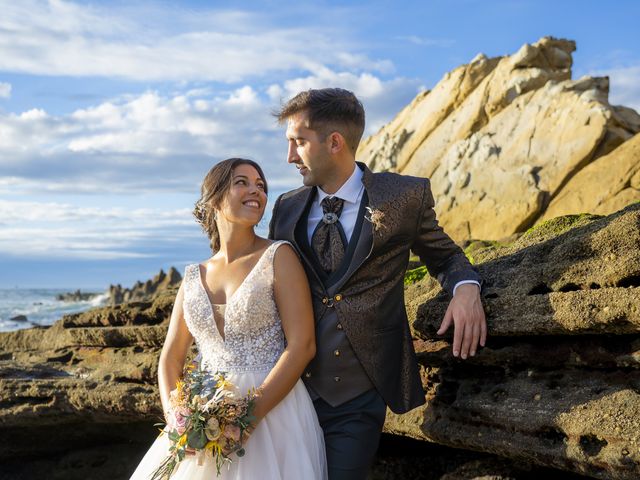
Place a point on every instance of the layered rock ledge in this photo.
(558, 383)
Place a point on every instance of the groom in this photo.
(354, 230)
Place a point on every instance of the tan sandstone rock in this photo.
(604, 186)
(501, 137)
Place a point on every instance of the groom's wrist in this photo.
(466, 282)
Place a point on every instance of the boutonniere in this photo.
(376, 217)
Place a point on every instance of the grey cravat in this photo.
(328, 239)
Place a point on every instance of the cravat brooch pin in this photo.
(329, 218)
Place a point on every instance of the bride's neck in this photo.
(236, 241)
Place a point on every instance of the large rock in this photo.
(145, 291)
(501, 137)
(606, 185)
(79, 399)
(559, 381)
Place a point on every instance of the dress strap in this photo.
(271, 250)
(191, 272)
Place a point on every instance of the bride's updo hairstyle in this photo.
(214, 188)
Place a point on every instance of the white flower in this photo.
(212, 429)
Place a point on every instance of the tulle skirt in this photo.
(287, 444)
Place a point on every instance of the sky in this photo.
(112, 112)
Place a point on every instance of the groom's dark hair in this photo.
(329, 110)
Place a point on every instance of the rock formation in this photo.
(76, 296)
(144, 291)
(557, 387)
(559, 381)
(500, 138)
(79, 399)
(605, 185)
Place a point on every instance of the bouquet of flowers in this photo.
(206, 417)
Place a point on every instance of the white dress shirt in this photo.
(351, 192)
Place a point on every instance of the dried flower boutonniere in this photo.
(375, 217)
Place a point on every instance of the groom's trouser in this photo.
(351, 434)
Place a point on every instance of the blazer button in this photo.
(338, 297)
(336, 353)
(328, 301)
(337, 379)
(339, 326)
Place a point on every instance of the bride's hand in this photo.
(245, 438)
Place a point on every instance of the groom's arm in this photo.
(444, 259)
(447, 262)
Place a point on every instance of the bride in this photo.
(248, 308)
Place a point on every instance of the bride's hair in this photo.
(215, 186)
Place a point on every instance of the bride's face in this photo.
(246, 199)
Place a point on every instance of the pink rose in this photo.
(178, 420)
(232, 432)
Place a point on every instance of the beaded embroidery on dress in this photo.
(288, 442)
(253, 338)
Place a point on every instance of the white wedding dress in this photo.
(288, 443)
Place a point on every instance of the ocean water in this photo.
(39, 305)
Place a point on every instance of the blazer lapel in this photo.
(299, 204)
(289, 219)
(367, 240)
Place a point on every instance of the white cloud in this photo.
(624, 86)
(5, 90)
(382, 99)
(427, 42)
(56, 230)
(164, 42)
(159, 142)
(147, 142)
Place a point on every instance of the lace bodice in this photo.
(253, 337)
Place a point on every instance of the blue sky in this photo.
(112, 112)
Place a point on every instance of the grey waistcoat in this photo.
(335, 374)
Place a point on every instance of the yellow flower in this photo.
(183, 440)
(224, 384)
(213, 446)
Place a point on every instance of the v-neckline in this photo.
(203, 286)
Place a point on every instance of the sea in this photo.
(40, 306)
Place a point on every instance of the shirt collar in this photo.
(349, 191)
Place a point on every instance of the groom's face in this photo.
(308, 151)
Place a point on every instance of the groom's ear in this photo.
(336, 142)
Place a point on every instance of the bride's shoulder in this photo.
(284, 254)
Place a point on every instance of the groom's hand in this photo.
(467, 315)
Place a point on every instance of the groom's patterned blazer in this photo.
(365, 297)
